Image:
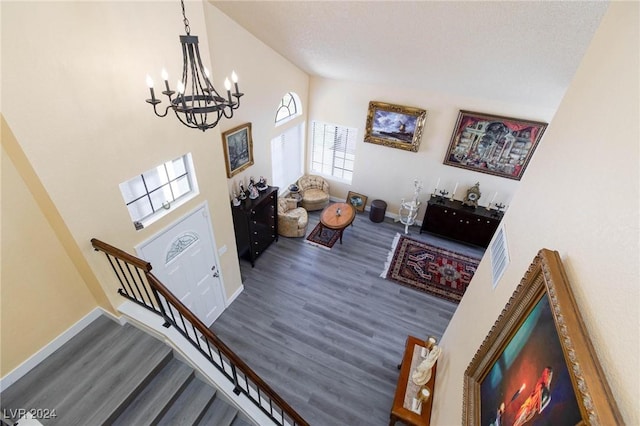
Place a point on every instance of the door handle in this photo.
(216, 273)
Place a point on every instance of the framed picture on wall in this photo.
(492, 144)
(395, 126)
(358, 201)
(537, 364)
(237, 145)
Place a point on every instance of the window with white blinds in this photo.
(333, 150)
(287, 157)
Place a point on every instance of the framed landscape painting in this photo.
(358, 201)
(237, 145)
(537, 365)
(492, 144)
(395, 126)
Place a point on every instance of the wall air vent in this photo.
(499, 254)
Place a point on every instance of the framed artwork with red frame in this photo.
(492, 144)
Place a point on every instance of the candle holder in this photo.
(338, 211)
(422, 396)
(424, 393)
(429, 343)
(497, 212)
(443, 194)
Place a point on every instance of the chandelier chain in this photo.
(185, 20)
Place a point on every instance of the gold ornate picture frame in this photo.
(537, 362)
(237, 144)
(395, 126)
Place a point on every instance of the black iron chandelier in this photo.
(197, 103)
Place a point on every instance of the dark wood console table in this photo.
(406, 389)
(452, 219)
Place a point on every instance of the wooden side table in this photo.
(296, 196)
(407, 390)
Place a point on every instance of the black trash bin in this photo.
(377, 211)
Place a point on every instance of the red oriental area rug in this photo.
(323, 237)
(427, 268)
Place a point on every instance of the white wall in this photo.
(76, 105)
(265, 78)
(388, 173)
(579, 197)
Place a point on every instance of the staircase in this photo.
(117, 375)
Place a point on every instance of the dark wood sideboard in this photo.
(255, 223)
(452, 219)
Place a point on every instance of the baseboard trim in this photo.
(35, 359)
(395, 217)
(235, 295)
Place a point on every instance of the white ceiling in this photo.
(512, 51)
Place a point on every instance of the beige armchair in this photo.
(315, 192)
(292, 220)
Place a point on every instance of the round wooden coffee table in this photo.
(337, 216)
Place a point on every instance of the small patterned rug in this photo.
(427, 268)
(325, 238)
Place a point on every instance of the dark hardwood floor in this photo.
(324, 329)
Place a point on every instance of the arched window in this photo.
(288, 108)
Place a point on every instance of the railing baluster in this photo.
(173, 317)
(184, 326)
(209, 350)
(163, 312)
(234, 373)
(128, 286)
(135, 283)
(145, 284)
(115, 271)
(124, 276)
(224, 370)
(195, 336)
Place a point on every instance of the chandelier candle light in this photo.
(197, 104)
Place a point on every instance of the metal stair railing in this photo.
(139, 285)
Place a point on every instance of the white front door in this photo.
(184, 259)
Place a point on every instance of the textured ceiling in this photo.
(523, 52)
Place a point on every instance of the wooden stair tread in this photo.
(155, 399)
(219, 413)
(133, 362)
(31, 388)
(120, 375)
(190, 406)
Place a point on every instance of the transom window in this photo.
(333, 150)
(288, 108)
(152, 194)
